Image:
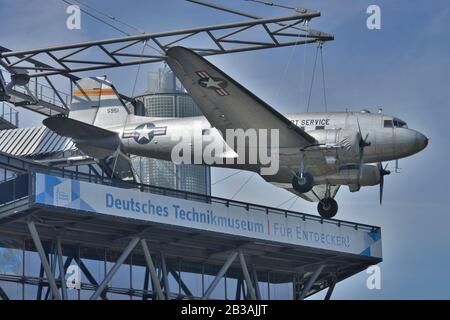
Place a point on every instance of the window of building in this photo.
(160, 106)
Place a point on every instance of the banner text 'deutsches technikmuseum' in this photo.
(215, 217)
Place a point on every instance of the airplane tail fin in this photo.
(95, 101)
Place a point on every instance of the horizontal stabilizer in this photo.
(93, 141)
(77, 130)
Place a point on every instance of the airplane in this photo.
(318, 152)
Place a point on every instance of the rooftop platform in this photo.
(207, 234)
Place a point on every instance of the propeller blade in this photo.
(381, 189)
(359, 127)
(383, 172)
(362, 144)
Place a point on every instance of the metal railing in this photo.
(27, 166)
(44, 93)
(9, 114)
(186, 195)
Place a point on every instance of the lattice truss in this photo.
(248, 35)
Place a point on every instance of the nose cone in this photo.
(408, 142)
(421, 141)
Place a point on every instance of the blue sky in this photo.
(403, 68)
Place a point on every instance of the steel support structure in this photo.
(331, 288)
(220, 274)
(248, 280)
(165, 276)
(44, 260)
(311, 281)
(152, 270)
(66, 60)
(62, 272)
(52, 262)
(3, 294)
(127, 51)
(115, 268)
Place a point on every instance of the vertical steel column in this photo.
(48, 294)
(146, 278)
(152, 269)
(219, 275)
(165, 276)
(44, 261)
(181, 283)
(116, 267)
(311, 281)
(248, 280)
(238, 289)
(256, 282)
(62, 274)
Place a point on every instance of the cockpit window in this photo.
(400, 123)
(388, 123)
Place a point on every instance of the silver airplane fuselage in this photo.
(389, 138)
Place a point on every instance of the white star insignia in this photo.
(144, 133)
(211, 83)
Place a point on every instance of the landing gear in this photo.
(327, 208)
(303, 183)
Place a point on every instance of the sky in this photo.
(403, 68)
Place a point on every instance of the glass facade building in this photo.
(167, 98)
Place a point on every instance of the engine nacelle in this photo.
(340, 143)
(348, 175)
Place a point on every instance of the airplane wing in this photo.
(227, 104)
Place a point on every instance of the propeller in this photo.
(383, 172)
(362, 144)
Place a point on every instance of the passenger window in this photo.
(388, 124)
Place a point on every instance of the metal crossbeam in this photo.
(127, 51)
(3, 294)
(330, 290)
(165, 276)
(220, 274)
(115, 268)
(311, 281)
(44, 261)
(248, 280)
(62, 273)
(152, 270)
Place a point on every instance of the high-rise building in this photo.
(166, 97)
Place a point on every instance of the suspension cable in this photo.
(312, 80)
(137, 29)
(323, 79)
(107, 23)
(286, 69)
(138, 69)
(272, 4)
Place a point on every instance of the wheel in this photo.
(327, 208)
(304, 184)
